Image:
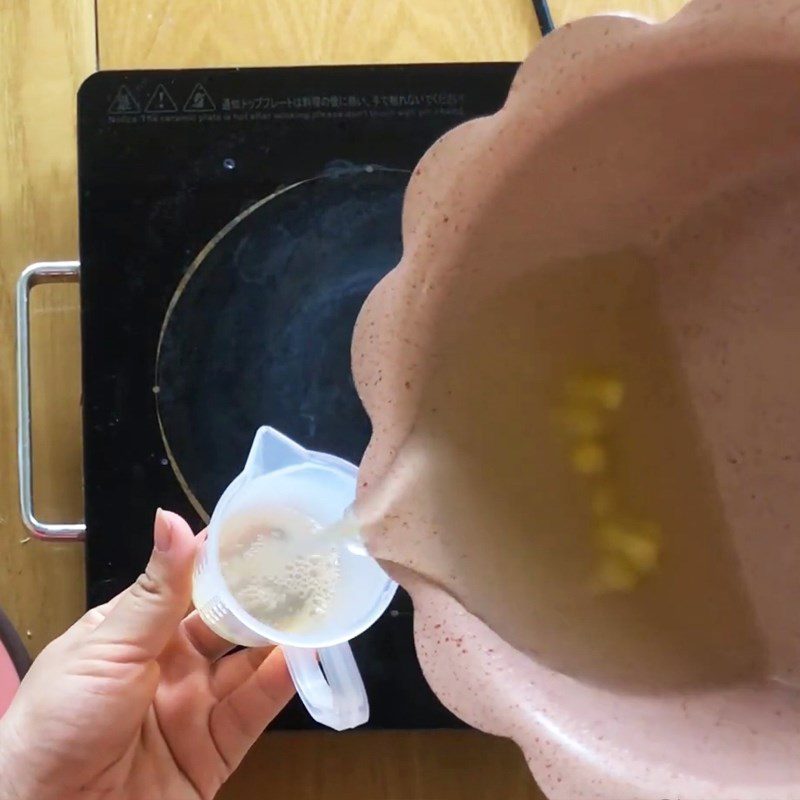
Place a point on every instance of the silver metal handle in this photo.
(35, 274)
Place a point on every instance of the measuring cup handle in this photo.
(336, 697)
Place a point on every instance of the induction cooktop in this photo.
(231, 224)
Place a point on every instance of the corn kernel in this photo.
(644, 545)
(589, 458)
(607, 392)
(611, 393)
(642, 553)
(615, 574)
(638, 542)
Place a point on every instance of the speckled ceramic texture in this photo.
(681, 140)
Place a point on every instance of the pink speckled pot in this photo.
(680, 140)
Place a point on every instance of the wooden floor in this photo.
(47, 47)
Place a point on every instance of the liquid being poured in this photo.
(345, 533)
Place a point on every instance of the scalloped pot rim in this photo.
(660, 160)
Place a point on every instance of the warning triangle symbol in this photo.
(199, 100)
(160, 101)
(124, 102)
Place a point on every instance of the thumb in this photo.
(149, 612)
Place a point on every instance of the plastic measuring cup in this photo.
(279, 472)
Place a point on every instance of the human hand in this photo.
(138, 701)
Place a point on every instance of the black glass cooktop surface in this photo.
(231, 224)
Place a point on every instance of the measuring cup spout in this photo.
(271, 451)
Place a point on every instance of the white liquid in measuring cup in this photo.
(282, 566)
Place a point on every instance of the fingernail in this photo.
(162, 532)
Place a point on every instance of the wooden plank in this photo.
(184, 33)
(247, 33)
(46, 48)
(388, 765)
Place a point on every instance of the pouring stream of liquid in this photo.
(344, 533)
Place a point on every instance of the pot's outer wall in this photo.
(678, 140)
